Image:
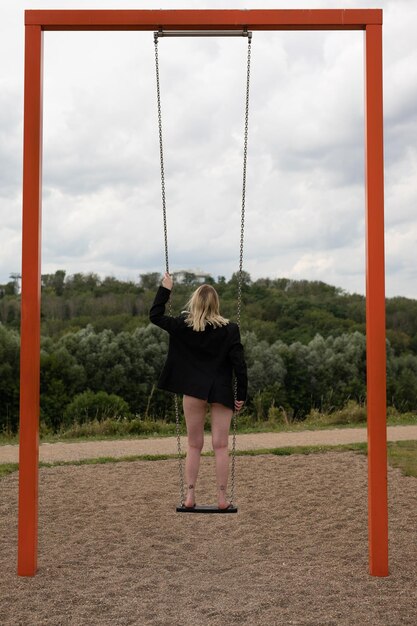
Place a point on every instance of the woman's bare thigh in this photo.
(221, 416)
(195, 415)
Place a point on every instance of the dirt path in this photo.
(50, 452)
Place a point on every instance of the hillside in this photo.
(304, 344)
(274, 309)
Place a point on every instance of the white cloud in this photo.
(305, 203)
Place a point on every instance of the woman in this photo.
(204, 351)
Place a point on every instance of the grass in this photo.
(288, 450)
(8, 468)
(401, 454)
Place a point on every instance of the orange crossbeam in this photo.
(255, 19)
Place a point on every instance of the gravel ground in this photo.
(114, 552)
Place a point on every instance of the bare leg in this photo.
(220, 424)
(195, 414)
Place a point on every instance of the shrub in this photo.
(89, 406)
(351, 413)
(121, 427)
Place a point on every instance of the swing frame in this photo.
(37, 21)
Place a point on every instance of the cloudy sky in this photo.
(305, 186)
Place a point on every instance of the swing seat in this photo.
(205, 508)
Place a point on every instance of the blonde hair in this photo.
(204, 308)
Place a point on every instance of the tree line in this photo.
(304, 344)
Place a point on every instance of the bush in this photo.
(89, 406)
(351, 413)
(121, 427)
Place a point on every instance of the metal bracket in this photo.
(202, 33)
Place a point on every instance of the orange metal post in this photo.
(30, 324)
(375, 306)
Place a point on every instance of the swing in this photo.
(161, 33)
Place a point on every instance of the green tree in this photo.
(61, 378)
(9, 379)
(54, 283)
(402, 382)
(151, 280)
(81, 283)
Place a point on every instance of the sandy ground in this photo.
(114, 552)
(50, 452)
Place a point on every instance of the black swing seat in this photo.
(205, 508)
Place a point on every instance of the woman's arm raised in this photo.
(167, 281)
(157, 312)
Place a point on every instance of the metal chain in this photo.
(164, 214)
(240, 274)
(245, 160)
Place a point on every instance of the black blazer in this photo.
(200, 363)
